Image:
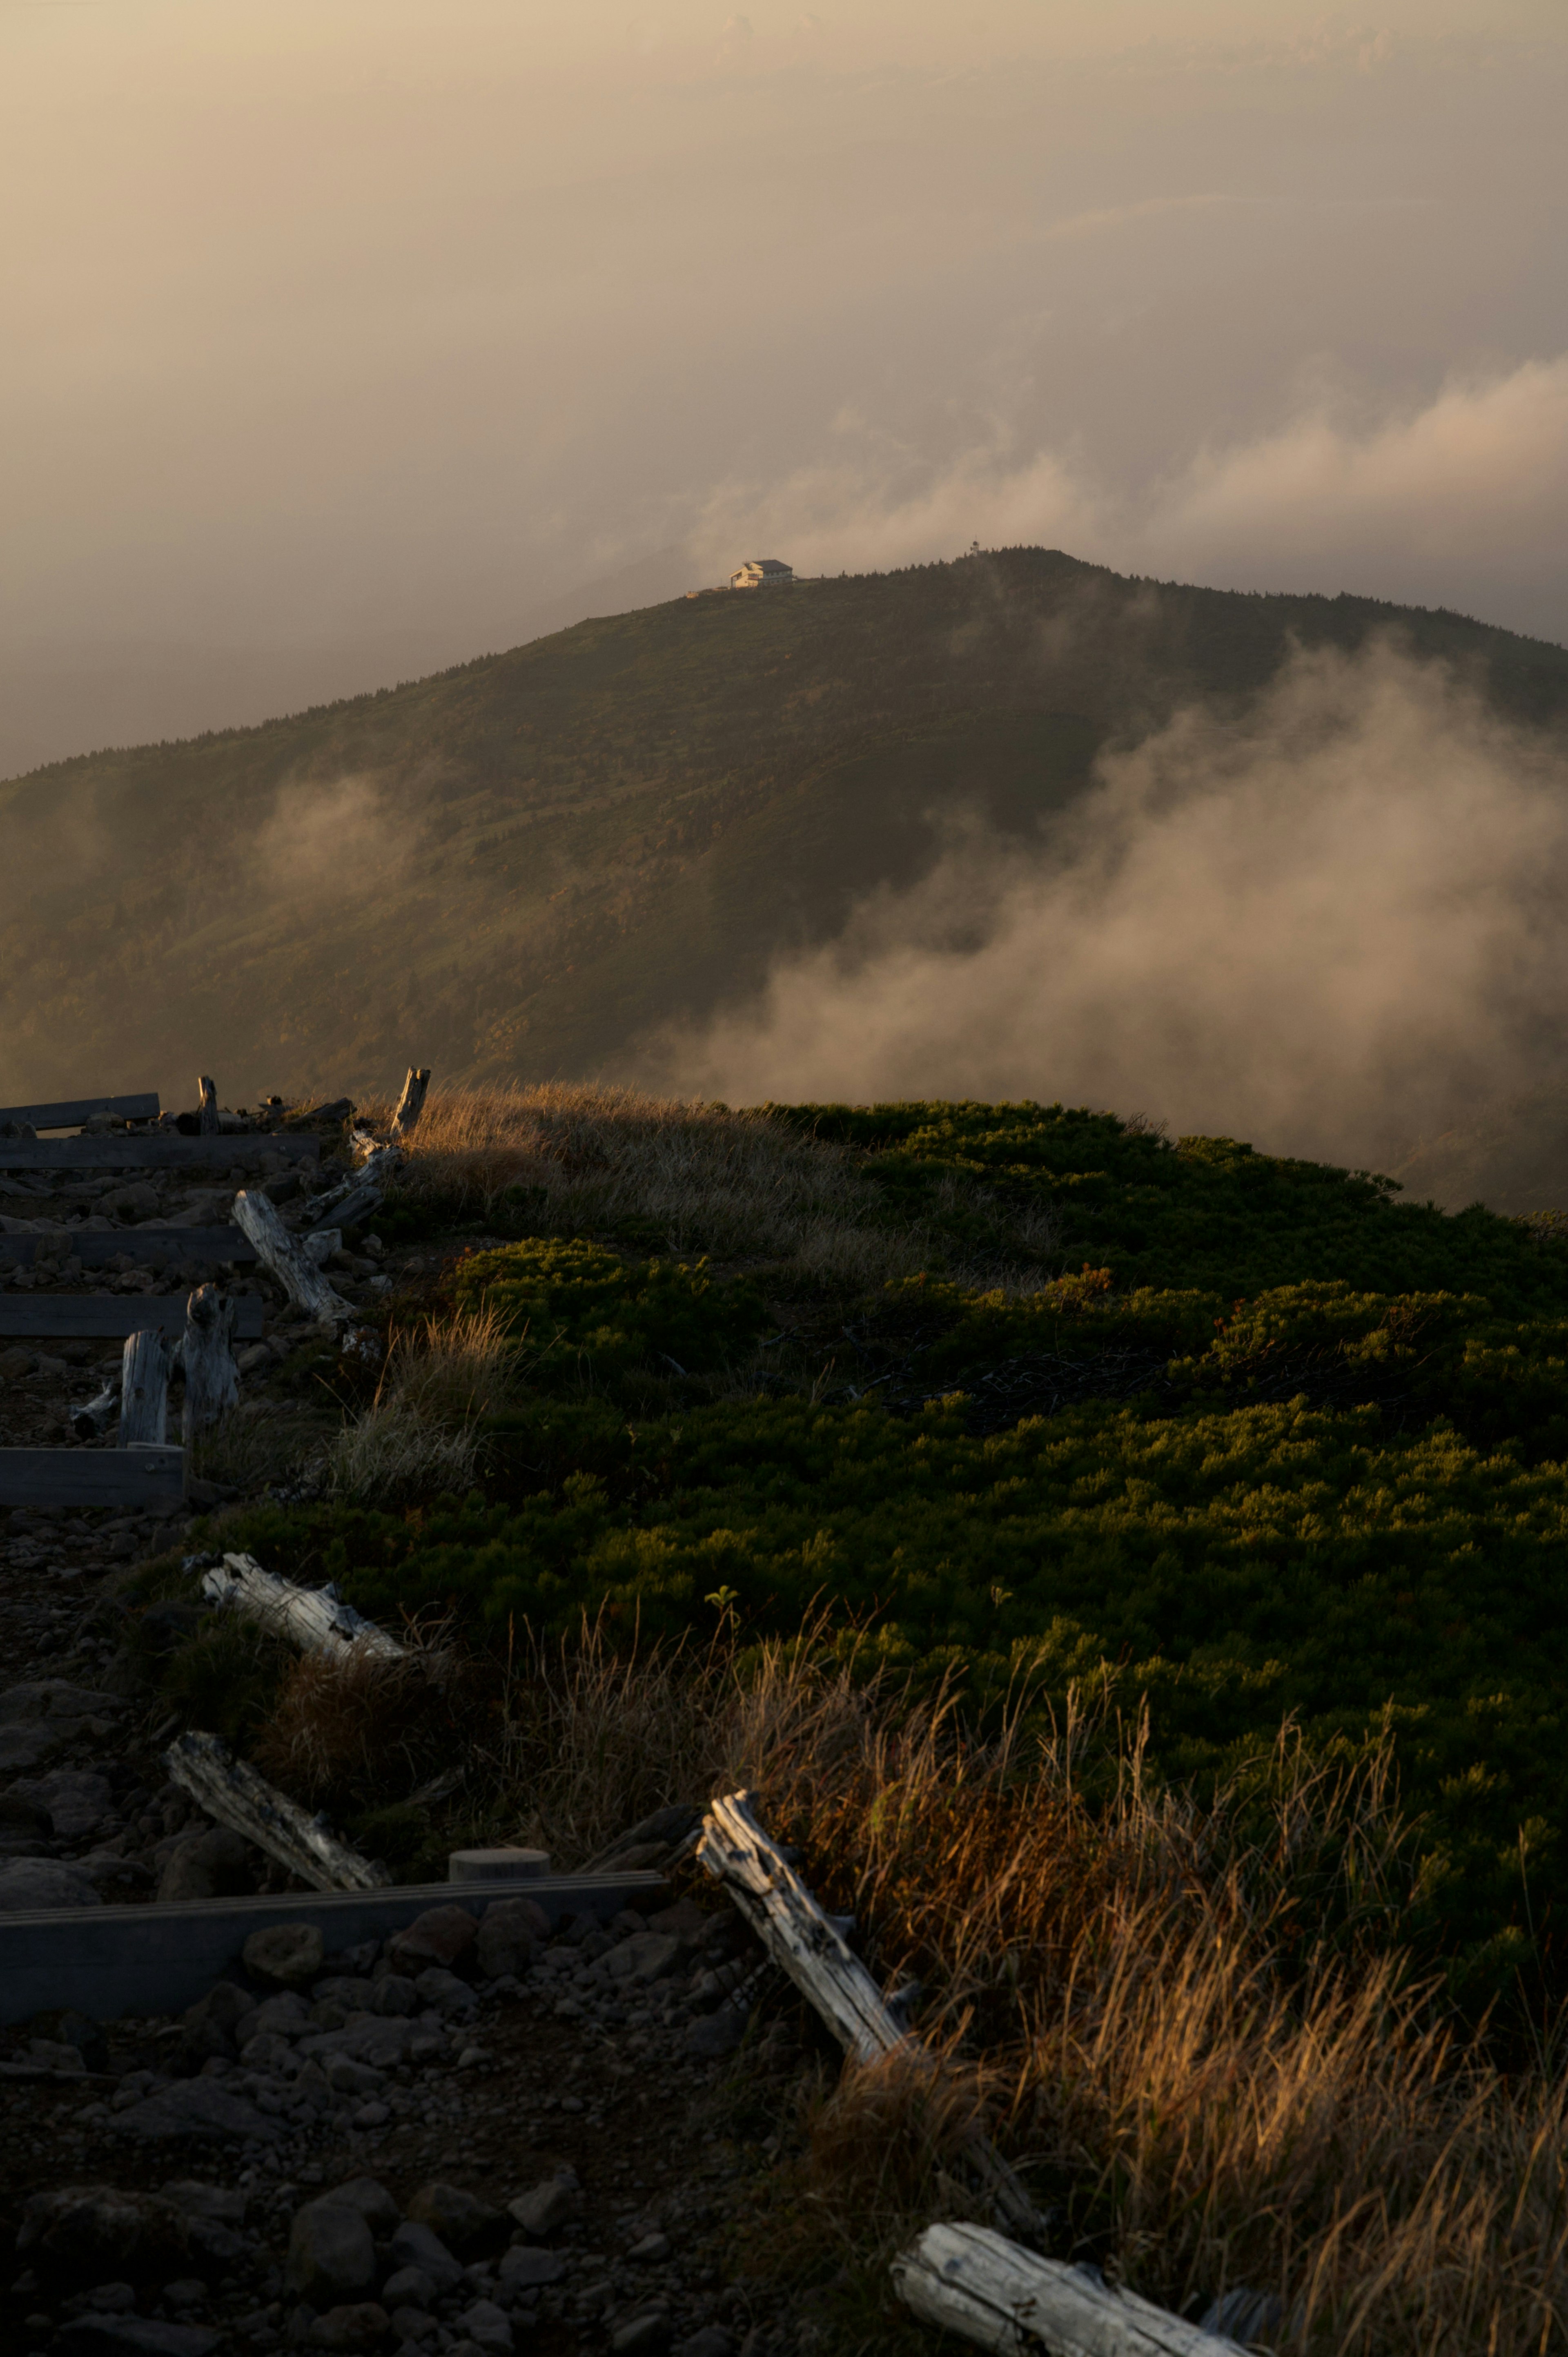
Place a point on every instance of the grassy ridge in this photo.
(1284, 1446)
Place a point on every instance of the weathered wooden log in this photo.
(209, 1125)
(354, 1199)
(143, 1389)
(809, 1947)
(968, 2280)
(92, 1419)
(316, 1619)
(410, 1104)
(256, 1216)
(231, 1790)
(211, 1378)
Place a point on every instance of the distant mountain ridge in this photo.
(517, 866)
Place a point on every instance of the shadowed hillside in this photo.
(517, 866)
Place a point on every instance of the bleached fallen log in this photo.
(209, 1117)
(316, 1619)
(255, 1215)
(92, 1419)
(143, 1389)
(410, 1104)
(353, 1200)
(968, 2280)
(231, 1791)
(211, 1378)
(811, 1949)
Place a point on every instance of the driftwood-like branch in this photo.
(211, 1378)
(315, 1618)
(255, 1215)
(811, 1949)
(410, 1104)
(231, 1791)
(968, 2280)
(92, 1419)
(353, 1200)
(144, 1390)
(210, 1122)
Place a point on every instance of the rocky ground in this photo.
(459, 2140)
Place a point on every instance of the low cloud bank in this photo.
(1325, 926)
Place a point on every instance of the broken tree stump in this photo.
(208, 1124)
(969, 2280)
(211, 1378)
(811, 1948)
(410, 1104)
(144, 1390)
(315, 1618)
(92, 1419)
(256, 1217)
(231, 1790)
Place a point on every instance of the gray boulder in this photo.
(414, 2246)
(97, 2233)
(289, 1954)
(373, 2202)
(196, 2110)
(212, 1864)
(77, 1799)
(549, 2204)
(331, 2254)
(141, 2336)
(510, 1936)
(460, 2219)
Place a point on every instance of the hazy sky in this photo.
(340, 336)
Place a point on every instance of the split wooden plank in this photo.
(209, 1124)
(61, 1317)
(304, 1283)
(160, 1153)
(211, 1378)
(231, 1790)
(811, 1949)
(144, 1390)
(92, 1419)
(969, 2280)
(91, 1477)
(410, 1104)
(73, 1111)
(316, 1619)
(149, 1246)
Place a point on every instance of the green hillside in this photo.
(515, 866)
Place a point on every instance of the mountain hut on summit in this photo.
(762, 573)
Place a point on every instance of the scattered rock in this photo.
(31, 1882)
(439, 1936)
(394, 1995)
(510, 1936)
(414, 2246)
(291, 1953)
(358, 2326)
(548, 2206)
(445, 1991)
(525, 2268)
(196, 2110)
(148, 2334)
(633, 2335)
(460, 2219)
(410, 2324)
(650, 1956)
(650, 2250)
(76, 1800)
(89, 2234)
(713, 2340)
(331, 2254)
(714, 2035)
(373, 2202)
(409, 2287)
(489, 2326)
(213, 1864)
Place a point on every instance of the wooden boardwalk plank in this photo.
(150, 1247)
(91, 1477)
(75, 1316)
(165, 1153)
(74, 1111)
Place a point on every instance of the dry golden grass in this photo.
(357, 1724)
(420, 1432)
(1188, 2023)
(737, 1185)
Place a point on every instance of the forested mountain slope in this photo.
(516, 867)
